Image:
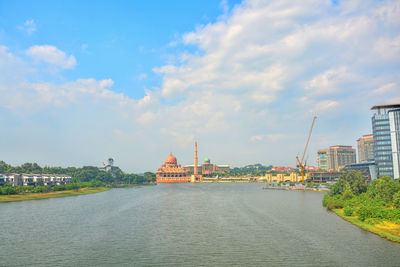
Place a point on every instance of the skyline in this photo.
(134, 82)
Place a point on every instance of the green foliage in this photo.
(249, 170)
(8, 190)
(332, 202)
(396, 199)
(348, 211)
(372, 203)
(79, 175)
(353, 180)
(348, 193)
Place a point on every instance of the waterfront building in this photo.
(323, 177)
(365, 147)
(35, 179)
(13, 179)
(367, 168)
(281, 177)
(336, 157)
(386, 131)
(171, 172)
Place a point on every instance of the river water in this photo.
(206, 224)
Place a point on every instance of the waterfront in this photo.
(186, 224)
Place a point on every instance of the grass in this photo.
(385, 229)
(66, 193)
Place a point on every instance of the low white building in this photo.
(35, 179)
(13, 179)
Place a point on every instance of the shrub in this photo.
(348, 194)
(348, 211)
(325, 200)
(396, 199)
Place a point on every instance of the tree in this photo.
(386, 188)
(396, 200)
(149, 177)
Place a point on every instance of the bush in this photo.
(396, 199)
(348, 211)
(332, 202)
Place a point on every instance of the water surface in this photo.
(186, 224)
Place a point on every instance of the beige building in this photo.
(336, 157)
(365, 147)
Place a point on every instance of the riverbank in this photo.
(131, 185)
(385, 229)
(66, 193)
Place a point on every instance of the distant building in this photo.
(365, 147)
(207, 168)
(35, 179)
(171, 172)
(323, 177)
(336, 157)
(323, 159)
(386, 131)
(282, 169)
(368, 169)
(13, 179)
(110, 166)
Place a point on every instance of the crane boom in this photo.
(300, 163)
(308, 139)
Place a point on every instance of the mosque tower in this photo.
(195, 160)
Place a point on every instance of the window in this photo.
(383, 143)
(384, 122)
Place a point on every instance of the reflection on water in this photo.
(186, 224)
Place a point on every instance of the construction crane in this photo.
(300, 162)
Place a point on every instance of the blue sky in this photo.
(134, 80)
(131, 36)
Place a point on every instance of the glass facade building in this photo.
(386, 131)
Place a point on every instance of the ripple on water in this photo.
(186, 225)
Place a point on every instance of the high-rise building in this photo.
(323, 159)
(365, 147)
(386, 131)
(336, 157)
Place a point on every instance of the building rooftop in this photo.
(386, 106)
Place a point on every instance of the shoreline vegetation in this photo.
(66, 193)
(374, 207)
(85, 180)
(386, 229)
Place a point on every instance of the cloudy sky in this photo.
(138, 80)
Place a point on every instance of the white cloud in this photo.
(50, 54)
(268, 137)
(29, 27)
(388, 48)
(263, 67)
(330, 81)
(385, 89)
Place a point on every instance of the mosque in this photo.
(172, 172)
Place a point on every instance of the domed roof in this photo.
(207, 159)
(170, 159)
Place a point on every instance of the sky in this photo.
(82, 81)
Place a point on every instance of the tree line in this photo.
(83, 174)
(374, 202)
